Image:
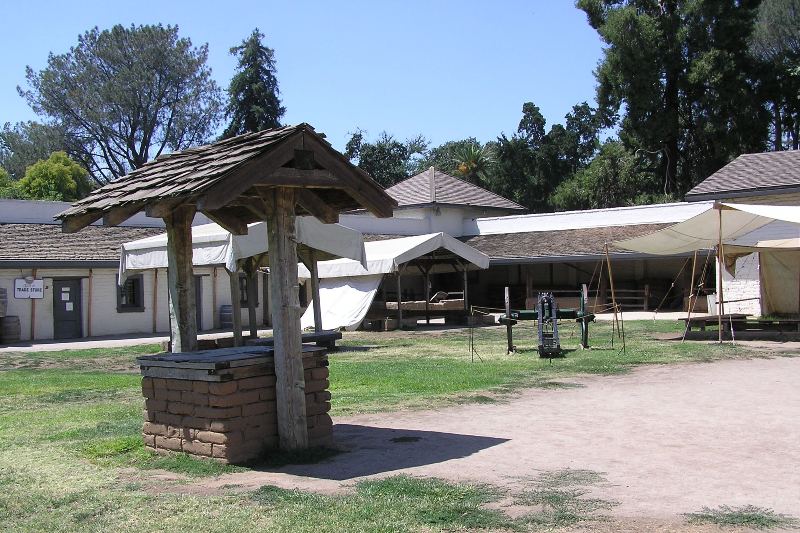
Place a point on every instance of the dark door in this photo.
(67, 319)
(198, 296)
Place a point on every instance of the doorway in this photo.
(67, 315)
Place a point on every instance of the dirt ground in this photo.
(668, 439)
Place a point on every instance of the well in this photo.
(222, 403)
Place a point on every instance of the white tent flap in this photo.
(702, 231)
(345, 301)
(385, 256)
(213, 245)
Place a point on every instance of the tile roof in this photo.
(435, 187)
(559, 243)
(751, 173)
(46, 242)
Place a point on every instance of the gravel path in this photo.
(670, 440)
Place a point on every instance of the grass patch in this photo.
(399, 503)
(560, 499)
(745, 516)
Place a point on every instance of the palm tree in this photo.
(473, 162)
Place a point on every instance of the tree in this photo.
(776, 44)
(387, 160)
(680, 74)
(56, 178)
(442, 157)
(127, 95)
(615, 177)
(8, 186)
(473, 162)
(26, 143)
(253, 103)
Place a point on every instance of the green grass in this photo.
(745, 516)
(71, 456)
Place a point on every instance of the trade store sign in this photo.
(28, 289)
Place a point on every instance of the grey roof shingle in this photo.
(46, 242)
(751, 173)
(559, 243)
(435, 187)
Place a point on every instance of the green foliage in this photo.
(8, 187)
(748, 516)
(253, 103)
(443, 157)
(680, 75)
(57, 178)
(126, 95)
(776, 44)
(473, 162)
(387, 160)
(28, 142)
(615, 177)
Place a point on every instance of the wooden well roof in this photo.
(225, 180)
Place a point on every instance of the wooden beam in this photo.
(357, 183)
(163, 208)
(118, 215)
(243, 177)
(315, 205)
(182, 305)
(315, 291)
(290, 382)
(231, 223)
(76, 223)
(254, 205)
(252, 287)
(236, 306)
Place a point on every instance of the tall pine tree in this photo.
(253, 103)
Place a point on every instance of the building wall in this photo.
(100, 317)
(743, 292)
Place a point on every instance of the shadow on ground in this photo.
(373, 450)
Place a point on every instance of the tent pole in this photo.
(315, 291)
(691, 297)
(427, 296)
(236, 305)
(611, 284)
(720, 308)
(399, 300)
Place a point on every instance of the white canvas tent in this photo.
(735, 230)
(347, 288)
(214, 245)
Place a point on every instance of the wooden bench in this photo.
(702, 322)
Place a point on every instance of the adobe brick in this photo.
(317, 385)
(195, 422)
(149, 416)
(149, 440)
(237, 398)
(200, 386)
(147, 387)
(319, 431)
(217, 413)
(219, 450)
(152, 428)
(173, 395)
(194, 398)
(258, 382)
(179, 384)
(322, 396)
(267, 394)
(197, 447)
(255, 409)
(159, 383)
(155, 405)
(162, 417)
(317, 408)
(180, 408)
(166, 443)
(320, 373)
(323, 420)
(225, 387)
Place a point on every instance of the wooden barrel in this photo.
(225, 316)
(9, 329)
(3, 302)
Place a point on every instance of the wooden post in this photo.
(252, 288)
(312, 255)
(509, 337)
(236, 305)
(466, 284)
(611, 285)
(182, 305)
(155, 300)
(89, 305)
(33, 311)
(290, 384)
(399, 299)
(427, 282)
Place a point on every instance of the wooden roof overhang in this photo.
(227, 181)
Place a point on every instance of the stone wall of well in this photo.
(233, 420)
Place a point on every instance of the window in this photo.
(243, 290)
(130, 297)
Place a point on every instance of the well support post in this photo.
(236, 305)
(182, 305)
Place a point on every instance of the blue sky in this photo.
(444, 69)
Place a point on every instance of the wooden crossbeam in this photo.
(118, 215)
(315, 205)
(77, 223)
(163, 208)
(231, 223)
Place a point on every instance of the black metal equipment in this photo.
(547, 308)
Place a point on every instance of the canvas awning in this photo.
(703, 231)
(385, 256)
(213, 245)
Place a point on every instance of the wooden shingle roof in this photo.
(435, 187)
(751, 173)
(221, 179)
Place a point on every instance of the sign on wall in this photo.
(24, 289)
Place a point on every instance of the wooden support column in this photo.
(182, 305)
(252, 291)
(315, 291)
(236, 305)
(427, 281)
(290, 384)
(399, 300)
